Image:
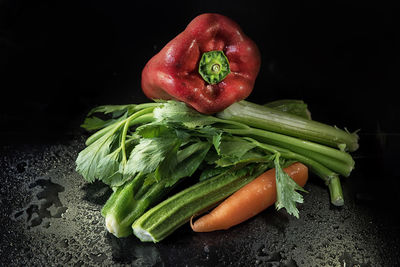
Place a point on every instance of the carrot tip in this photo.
(191, 222)
(194, 226)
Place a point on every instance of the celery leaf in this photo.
(148, 154)
(115, 110)
(88, 159)
(189, 159)
(175, 111)
(286, 187)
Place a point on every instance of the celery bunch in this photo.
(142, 151)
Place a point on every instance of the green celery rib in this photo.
(97, 135)
(335, 190)
(146, 117)
(323, 172)
(143, 119)
(131, 200)
(153, 105)
(330, 178)
(161, 220)
(339, 161)
(266, 118)
(126, 204)
(292, 106)
(119, 209)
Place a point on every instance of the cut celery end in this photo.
(143, 235)
(114, 227)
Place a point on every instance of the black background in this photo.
(60, 59)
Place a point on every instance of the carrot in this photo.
(248, 201)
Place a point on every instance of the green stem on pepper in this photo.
(214, 66)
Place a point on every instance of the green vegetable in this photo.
(144, 150)
(286, 190)
(130, 201)
(105, 157)
(163, 219)
(330, 178)
(266, 118)
(323, 160)
(334, 159)
(292, 106)
(214, 66)
(121, 209)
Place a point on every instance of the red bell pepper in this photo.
(209, 66)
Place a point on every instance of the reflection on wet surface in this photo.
(45, 204)
(52, 218)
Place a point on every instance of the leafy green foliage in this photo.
(175, 143)
(115, 110)
(179, 112)
(189, 159)
(105, 157)
(231, 150)
(92, 123)
(286, 187)
(216, 140)
(149, 154)
(169, 149)
(89, 159)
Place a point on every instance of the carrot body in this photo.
(248, 201)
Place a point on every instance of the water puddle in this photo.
(45, 204)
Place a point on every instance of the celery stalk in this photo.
(266, 118)
(330, 178)
(161, 220)
(126, 204)
(334, 159)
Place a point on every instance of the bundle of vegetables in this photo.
(146, 149)
(200, 126)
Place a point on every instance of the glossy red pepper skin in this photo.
(173, 72)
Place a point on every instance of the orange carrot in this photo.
(248, 201)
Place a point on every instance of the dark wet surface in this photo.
(58, 59)
(51, 216)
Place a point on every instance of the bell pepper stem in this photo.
(214, 66)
